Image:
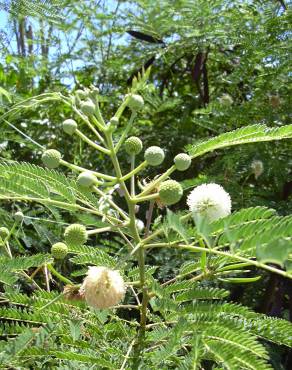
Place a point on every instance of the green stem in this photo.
(105, 229)
(92, 143)
(226, 254)
(59, 204)
(84, 118)
(10, 233)
(117, 166)
(112, 203)
(203, 256)
(74, 167)
(100, 120)
(58, 275)
(154, 183)
(140, 253)
(152, 236)
(134, 171)
(126, 131)
(97, 123)
(121, 108)
(8, 250)
(177, 277)
(161, 231)
(133, 176)
(127, 355)
(144, 199)
(161, 245)
(51, 302)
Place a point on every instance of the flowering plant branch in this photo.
(207, 229)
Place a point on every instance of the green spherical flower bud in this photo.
(88, 107)
(59, 251)
(18, 216)
(81, 94)
(75, 235)
(170, 192)
(69, 126)
(154, 155)
(182, 161)
(51, 158)
(86, 179)
(4, 232)
(135, 102)
(113, 123)
(94, 92)
(133, 145)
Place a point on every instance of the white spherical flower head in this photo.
(226, 100)
(209, 200)
(103, 287)
(257, 168)
(140, 225)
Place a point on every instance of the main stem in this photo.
(140, 252)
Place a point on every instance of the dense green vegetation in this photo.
(194, 286)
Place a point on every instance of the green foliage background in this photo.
(198, 51)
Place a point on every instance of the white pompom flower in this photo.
(210, 201)
(102, 287)
(140, 225)
(257, 168)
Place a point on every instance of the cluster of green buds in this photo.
(75, 236)
(163, 190)
(85, 103)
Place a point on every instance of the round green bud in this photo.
(18, 216)
(4, 232)
(182, 161)
(154, 155)
(86, 179)
(75, 235)
(170, 192)
(69, 126)
(94, 92)
(133, 145)
(113, 123)
(59, 250)
(81, 94)
(51, 158)
(88, 107)
(135, 102)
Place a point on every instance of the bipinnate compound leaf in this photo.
(243, 135)
(277, 251)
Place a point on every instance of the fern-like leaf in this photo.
(244, 135)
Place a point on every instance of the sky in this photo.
(54, 50)
(2, 17)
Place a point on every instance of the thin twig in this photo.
(46, 273)
(135, 295)
(127, 354)
(149, 218)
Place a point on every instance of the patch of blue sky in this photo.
(63, 41)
